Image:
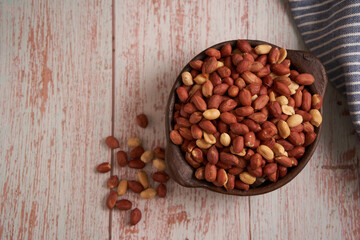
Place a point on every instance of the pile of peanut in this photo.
(243, 115)
(139, 158)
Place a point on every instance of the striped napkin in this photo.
(331, 31)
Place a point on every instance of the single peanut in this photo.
(240, 154)
(272, 96)
(103, 167)
(159, 164)
(283, 129)
(194, 89)
(211, 114)
(161, 190)
(135, 216)
(200, 173)
(147, 156)
(143, 179)
(187, 79)
(201, 78)
(294, 120)
(122, 187)
(278, 149)
(288, 110)
(113, 182)
(316, 119)
(293, 87)
(148, 193)
(219, 64)
(112, 142)
(202, 144)
(265, 152)
(225, 139)
(134, 142)
(262, 49)
(247, 178)
(209, 138)
(282, 56)
(282, 100)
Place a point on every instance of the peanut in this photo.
(247, 178)
(187, 79)
(122, 187)
(219, 64)
(265, 152)
(278, 149)
(240, 154)
(143, 179)
(282, 100)
(159, 164)
(135, 216)
(283, 129)
(112, 142)
(294, 120)
(288, 110)
(147, 156)
(262, 49)
(316, 119)
(211, 114)
(272, 96)
(134, 142)
(201, 78)
(200, 173)
(293, 87)
(225, 139)
(148, 193)
(282, 56)
(202, 144)
(209, 138)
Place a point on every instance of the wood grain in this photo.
(55, 96)
(59, 100)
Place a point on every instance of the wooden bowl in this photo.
(183, 173)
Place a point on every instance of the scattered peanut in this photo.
(143, 179)
(159, 164)
(148, 193)
(134, 142)
(122, 187)
(147, 156)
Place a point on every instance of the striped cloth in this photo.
(331, 30)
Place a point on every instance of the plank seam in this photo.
(112, 98)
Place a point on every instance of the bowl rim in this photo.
(262, 189)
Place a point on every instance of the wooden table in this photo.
(74, 72)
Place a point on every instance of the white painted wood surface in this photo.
(57, 92)
(55, 96)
